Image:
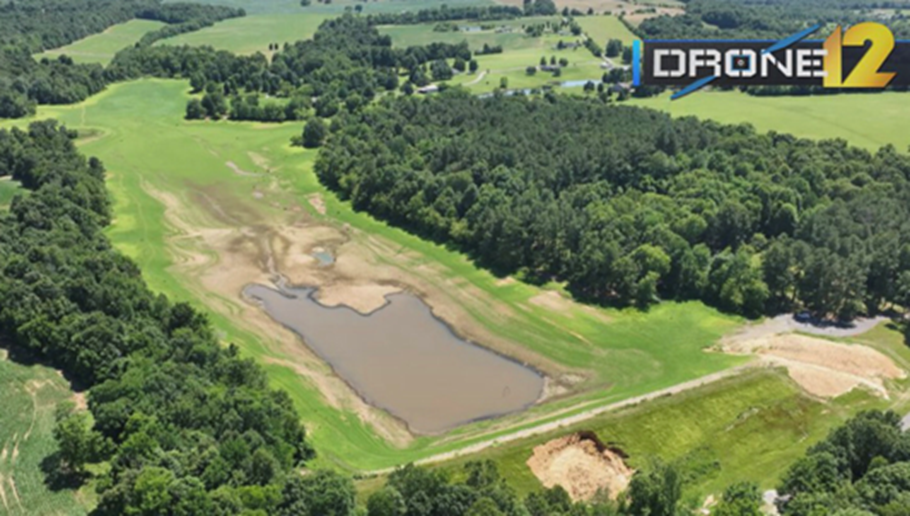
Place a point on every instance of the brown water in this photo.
(403, 359)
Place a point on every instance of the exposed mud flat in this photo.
(582, 465)
(401, 358)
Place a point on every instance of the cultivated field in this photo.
(252, 33)
(604, 28)
(338, 6)
(865, 120)
(30, 394)
(100, 48)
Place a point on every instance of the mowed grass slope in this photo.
(748, 428)
(868, 120)
(30, 395)
(148, 147)
(100, 48)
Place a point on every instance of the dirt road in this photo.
(575, 418)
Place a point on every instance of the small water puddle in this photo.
(325, 258)
(403, 359)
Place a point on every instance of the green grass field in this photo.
(8, 189)
(603, 28)
(100, 48)
(865, 120)
(252, 33)
(30, 394)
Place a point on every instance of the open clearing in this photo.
(201, 232)
(604, 28)
(100, 48)
(30, 394)
(8, 190)
(252, 33)
(865, 120)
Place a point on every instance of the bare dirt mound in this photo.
(582, 465)
(823, 368)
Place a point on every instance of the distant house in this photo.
(549, 68)
(621, 87)
(430, 88)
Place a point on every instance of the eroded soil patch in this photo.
(823, 368)
(582, 465)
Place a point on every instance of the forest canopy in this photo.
(628, 206)
(186, 425)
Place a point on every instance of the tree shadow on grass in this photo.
(58, 477)
(26, 357)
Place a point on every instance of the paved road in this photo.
(786, 323)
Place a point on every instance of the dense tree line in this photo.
(187, 426)
(860, 469)
(30, 26)
(446, 13)
(630, 206)
(184, 17)
(25, 82)
(346, 64)
(39, 25)
(764, 18)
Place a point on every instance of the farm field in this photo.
(604, 28)
(196, 223)
(865, 120)
(519, 52)
(252, 33)
(30, 395)
(100, 48)
(337, 6)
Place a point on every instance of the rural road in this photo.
(573, 419)
(477, 79)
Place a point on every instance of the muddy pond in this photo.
(403, 359)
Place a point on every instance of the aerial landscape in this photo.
(444, 257)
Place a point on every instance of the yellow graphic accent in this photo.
(866, 73)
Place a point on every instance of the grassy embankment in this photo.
(100, 48)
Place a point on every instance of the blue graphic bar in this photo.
(695, 86)
(796, 38)
(636, 62)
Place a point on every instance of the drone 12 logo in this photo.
(865, 55)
